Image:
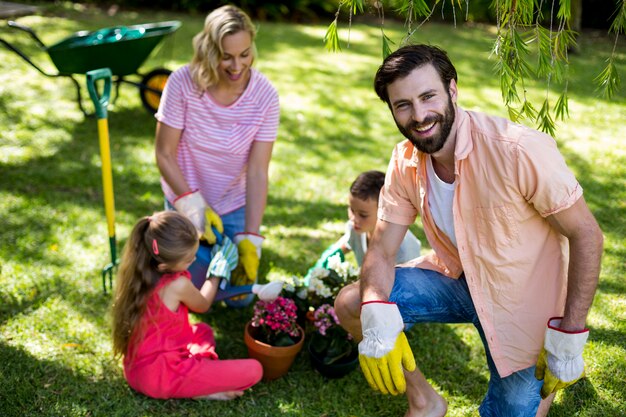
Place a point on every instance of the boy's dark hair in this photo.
(367, 185)
(402, 62)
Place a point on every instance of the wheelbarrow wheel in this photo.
(152, 85)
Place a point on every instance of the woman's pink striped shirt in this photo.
(216, 140)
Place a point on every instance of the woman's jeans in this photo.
(428, 296)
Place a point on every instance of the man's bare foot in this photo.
(424, 400)
(435, 406)
(221, 396)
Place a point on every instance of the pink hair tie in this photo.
(155, 247)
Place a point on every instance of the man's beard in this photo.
(435, 142)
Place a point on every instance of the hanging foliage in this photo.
(540, 26)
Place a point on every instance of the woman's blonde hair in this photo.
(163, 238)
(207, 45)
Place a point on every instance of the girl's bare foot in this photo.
(221, 396)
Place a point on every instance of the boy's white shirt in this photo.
(357, 242)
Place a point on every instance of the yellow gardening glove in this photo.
(386, 374)
(560, 362)
(384, 352)
(249, 245)
(249, 259)
(239, 277)
(212, 219)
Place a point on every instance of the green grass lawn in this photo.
(55, 350)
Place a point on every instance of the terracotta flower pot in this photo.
(276, 360)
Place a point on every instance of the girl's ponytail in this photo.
(161, 239)
(137, 275)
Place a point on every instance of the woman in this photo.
(217, 122)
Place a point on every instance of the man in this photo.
(514, 247)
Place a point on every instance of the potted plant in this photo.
(273, 337)
(332, 350)
(320, 286)
(294, 289)
(324, 283)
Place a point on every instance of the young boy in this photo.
(362, 214)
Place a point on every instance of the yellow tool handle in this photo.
(107, 176)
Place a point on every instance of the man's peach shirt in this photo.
(508, 179)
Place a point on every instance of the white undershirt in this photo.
(441, 195)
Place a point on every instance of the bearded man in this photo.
(516, 250)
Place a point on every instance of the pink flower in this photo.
(276, 317)
(325, 318)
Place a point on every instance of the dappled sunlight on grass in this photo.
(611, 305)
(601, 357)
(46, 143)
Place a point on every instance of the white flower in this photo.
(319, 273)
(317, 286)
(289, 283)
(353, 272)
(334, 262)
(302, 293)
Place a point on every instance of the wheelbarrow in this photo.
(123, 49)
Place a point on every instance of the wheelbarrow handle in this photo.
(99, 101)
(15, 25)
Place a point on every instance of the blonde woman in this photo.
(217, 123)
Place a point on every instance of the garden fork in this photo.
(100, 103)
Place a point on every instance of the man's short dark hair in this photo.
(402, 62)
(367, 185)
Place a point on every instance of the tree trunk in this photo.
(575, 22)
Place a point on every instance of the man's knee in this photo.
(515, 395)
(348, 302)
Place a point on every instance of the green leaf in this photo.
(561, 109)
(528, 110)
(514, 114)
(414, 9)
(339, 348)
(331, 39)
(608, 81)
(544, 55)
(544, 119)
(619, 23)
(283, 340)
(564, 40)
(565, 10)
(357, 6)
(386, 44)
(319, 344)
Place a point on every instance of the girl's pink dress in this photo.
(176, 359)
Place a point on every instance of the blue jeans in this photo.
(428, 296)
(234, 222)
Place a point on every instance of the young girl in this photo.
(164, 355)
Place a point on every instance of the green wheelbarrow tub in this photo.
(123, 49)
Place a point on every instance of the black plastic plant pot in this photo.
(337, 369)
